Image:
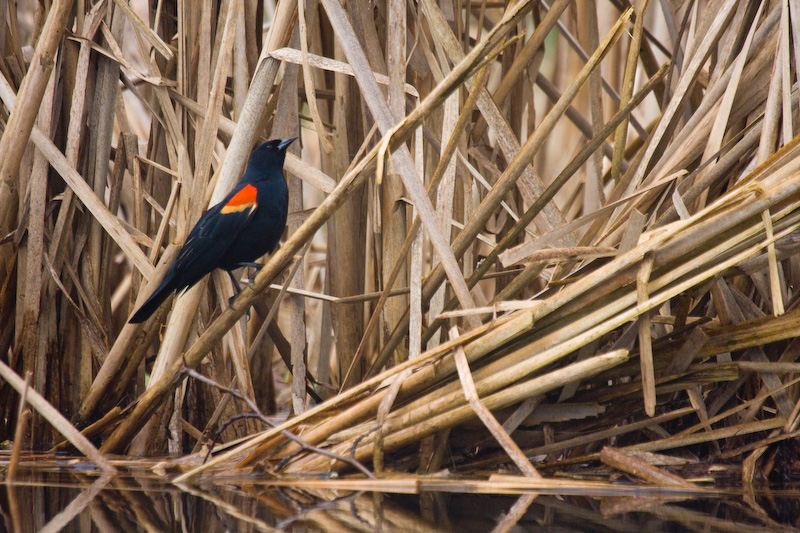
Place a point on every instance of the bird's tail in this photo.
(156, 299)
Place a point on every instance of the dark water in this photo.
(65, 496)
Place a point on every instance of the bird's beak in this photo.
(286, 142)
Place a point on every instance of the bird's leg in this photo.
(235, 283)
(235, 286)
(257, 266)
(238, 291)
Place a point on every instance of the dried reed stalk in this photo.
(656, 234)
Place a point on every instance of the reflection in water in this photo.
(71, 498)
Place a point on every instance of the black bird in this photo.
(247, 224)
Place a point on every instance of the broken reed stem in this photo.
(626, 462)
(491, 423)
(56, 419)
(645, 340)
(23, 417)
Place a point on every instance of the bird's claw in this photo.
(233, 299)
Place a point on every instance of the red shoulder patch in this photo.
(241, 201)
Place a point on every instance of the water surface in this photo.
(71, 495)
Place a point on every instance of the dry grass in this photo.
(576, 223)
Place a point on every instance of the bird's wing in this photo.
(216, 230)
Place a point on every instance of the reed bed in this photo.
(556, 238)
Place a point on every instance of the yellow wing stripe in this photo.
(243, 200)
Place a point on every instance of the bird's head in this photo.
(268, 157)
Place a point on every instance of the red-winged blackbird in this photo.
(247, 224)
